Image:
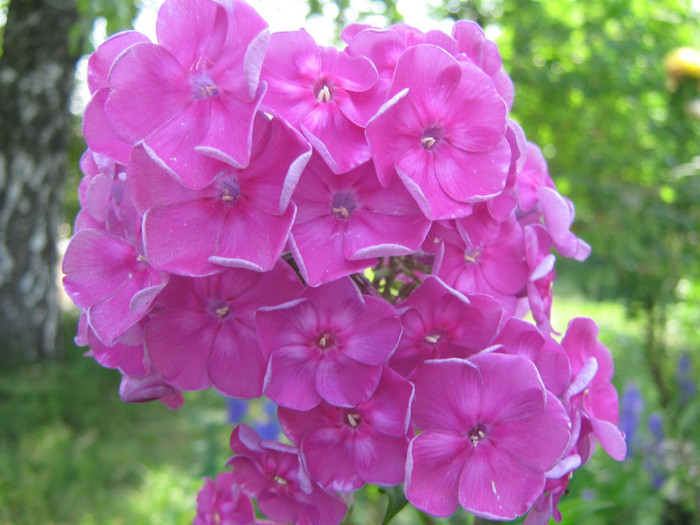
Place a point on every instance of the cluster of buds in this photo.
(357, 235)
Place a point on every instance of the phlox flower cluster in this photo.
(357, 235)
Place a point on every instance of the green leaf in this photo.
(397, 501)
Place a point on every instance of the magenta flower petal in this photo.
(432, 76)
(194, 31)
(451, 408)
(469, 175)
(345, 382)
(340, 474)
(548, 430)
(290, 380)
(433, 469)
(495, 486)
(380, 459)
(98, 131)
(178, 344)
(161, 84)
(338, 140)
(180, 238)
(236, 247)
(230, 130)
(100, 62)
(236, 366)
(174, 149)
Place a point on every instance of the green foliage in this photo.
(72, 452)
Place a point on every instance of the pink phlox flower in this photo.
(540, 202)
(540, 261)
(270, 472)
(439, 322)
(344, 222)
(478, 254)
(518, 337)
(198, 232)
(344, 448)
(193, 96)
(442, 132)
(591, 390)
(484, 53)
(126, 355)
(505, 203)
(327, 94)
(97, 131)
(106, 272)
(222, 502)
(201, 332)
(150, 387)
(329, 344)
(490, 432)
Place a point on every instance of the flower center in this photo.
(203, 86)
(343, 205)
(430, 137)
(432, 337)
(324, 94)
(477, 434)
(471, 256)
(353, 420)
(325, 341)
(229, 190)
(280, 481)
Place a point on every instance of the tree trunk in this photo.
(36, 81)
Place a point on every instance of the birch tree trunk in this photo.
(36, 81)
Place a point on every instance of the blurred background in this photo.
(610, 90)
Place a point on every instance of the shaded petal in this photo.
(496, 486)
(344, 382)
(291, 375)
(328, 454)
(235, 365)
(98, 132)
(380, 459)
(433, 468)
(237, 246)
(448, 395)
(178, 343)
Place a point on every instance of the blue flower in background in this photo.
(655, 453)
(632, 407)
(684, 376)
(237, 409)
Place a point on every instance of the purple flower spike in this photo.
(443, 132)
(344, 448)
(330, 344)
(490, 432)
(271, 473)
